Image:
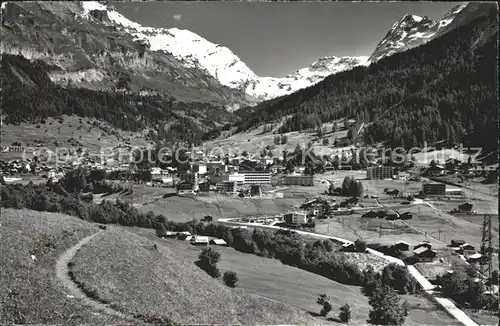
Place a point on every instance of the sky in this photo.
(278, 38)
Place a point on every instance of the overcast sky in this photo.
(277, 38)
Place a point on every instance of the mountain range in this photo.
(90, 44)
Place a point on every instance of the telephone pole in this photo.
(486, 249)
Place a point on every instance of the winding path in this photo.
(74, 291)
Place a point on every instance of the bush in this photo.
(324, 301)
(345, 313)
(207, 260)
(230, 279)
(386, 307)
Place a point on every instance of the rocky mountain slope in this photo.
(86, 48)
(411, 31)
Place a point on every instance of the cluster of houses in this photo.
(193, 239)
(234, 175)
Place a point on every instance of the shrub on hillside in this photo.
(207, 260)
(345, 313)
(326, 306)
(230, 279)
(386, 307)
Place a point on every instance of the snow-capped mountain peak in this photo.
(411, 31)
(219, 61)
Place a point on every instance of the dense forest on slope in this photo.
(444, 89)
(28, 95)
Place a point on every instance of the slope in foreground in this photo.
(125, 270)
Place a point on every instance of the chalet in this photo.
(170, 234)
(424, 254)
(457, 243)
(197, 240)
(402, 246)
(467, 248)
(348, 247)
(370, 214)
(183, 235)
(218, 242)
(435, 171)
(466, 208)
(424, 244)
(474, 258)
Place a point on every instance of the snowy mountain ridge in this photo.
(221, 62)
(411, 31)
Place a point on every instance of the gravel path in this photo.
(74, 291)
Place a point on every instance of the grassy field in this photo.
(30, 293)
(82, 130)
(255, 140)
(295, 287)
(124, 269)
(440, 228)
(183, 208)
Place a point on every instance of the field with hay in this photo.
(123, 269)
(30, 292)
(294, 287)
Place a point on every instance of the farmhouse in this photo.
(474, 258)
(402, 246)
(424, 244)
(218, 242)
(348, 247)
(457, 243)
(466, 208)
(424, 254)
(435, 171)
(467, 248)
(197, 240)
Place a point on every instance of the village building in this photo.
(219, 242)
(435, 171)
(226, 186)
(257, 177)
(466, 208)
(295, 218)
(424, 254)
(184, 188)
(379, 172)
(402, 246)
(204, 187)
(424, 244)
(199, 240)
(298, 180)
(348, 247)
(434, 189)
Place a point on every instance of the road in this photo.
(446, 303)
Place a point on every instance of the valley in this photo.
(149, 176)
